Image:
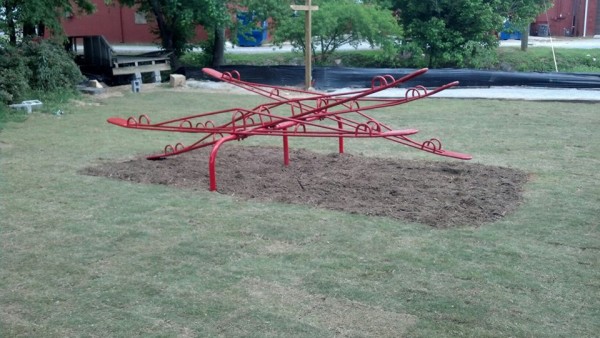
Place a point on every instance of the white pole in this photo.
(585, 17)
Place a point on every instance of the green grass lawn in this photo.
(91, 256)
(541, 59)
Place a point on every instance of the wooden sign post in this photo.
(307, 40)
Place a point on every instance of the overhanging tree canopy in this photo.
(177, 19)
(521, 13)
(23, 16)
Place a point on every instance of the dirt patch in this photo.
(440, 194)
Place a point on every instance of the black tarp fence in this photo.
(325, 78)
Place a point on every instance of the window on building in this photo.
(140, 18)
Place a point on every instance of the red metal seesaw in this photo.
(308, 114)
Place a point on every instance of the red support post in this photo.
(286, 150)
(340, 139)
(213, 159)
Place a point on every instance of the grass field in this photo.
(91, 256)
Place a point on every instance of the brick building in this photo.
(118, 24)
(569, 18)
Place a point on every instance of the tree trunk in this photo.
(525, 37)
(166, 34)
(10, 22)
(431, 57)
(218, 57)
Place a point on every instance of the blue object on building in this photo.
(251, 37)
(509, 33)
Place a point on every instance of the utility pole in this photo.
(307, 40)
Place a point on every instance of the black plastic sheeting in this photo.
(325, 78)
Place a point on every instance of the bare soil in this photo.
(439, 194)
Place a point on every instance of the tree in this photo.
(449, 32)
(177, 20)
(336, 23)
(27, 16)
(521, 13)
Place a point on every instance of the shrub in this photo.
(40, 69)
(43, 66)
(195, 59)
(52, 67)
(14, 74)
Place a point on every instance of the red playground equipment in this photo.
(306, 114)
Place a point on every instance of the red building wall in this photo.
(117, 24)
(566, 18)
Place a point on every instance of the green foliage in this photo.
(339, 22)
(449, 32)
(522, 12)
(14, 73)
(481, 57)
(196, 59)
(266, 9)
(52, 68)
(27, 15)
(210, 48)
(458, 33)
(36, 66)
(177, 20)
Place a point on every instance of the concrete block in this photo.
(156, 76)
(28, 105)
(136, 85)
(176, 80)
(94, 84)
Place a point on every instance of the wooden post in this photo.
(307, 40)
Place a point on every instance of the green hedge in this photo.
(35, 66)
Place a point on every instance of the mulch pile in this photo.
(439, 194)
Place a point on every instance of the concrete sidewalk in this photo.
(534, 41)
(506, 93)
(494, 93)
(524, 93)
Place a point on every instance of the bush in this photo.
(51, 65)
(14, 74)
(195, 59)
(35, 65)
